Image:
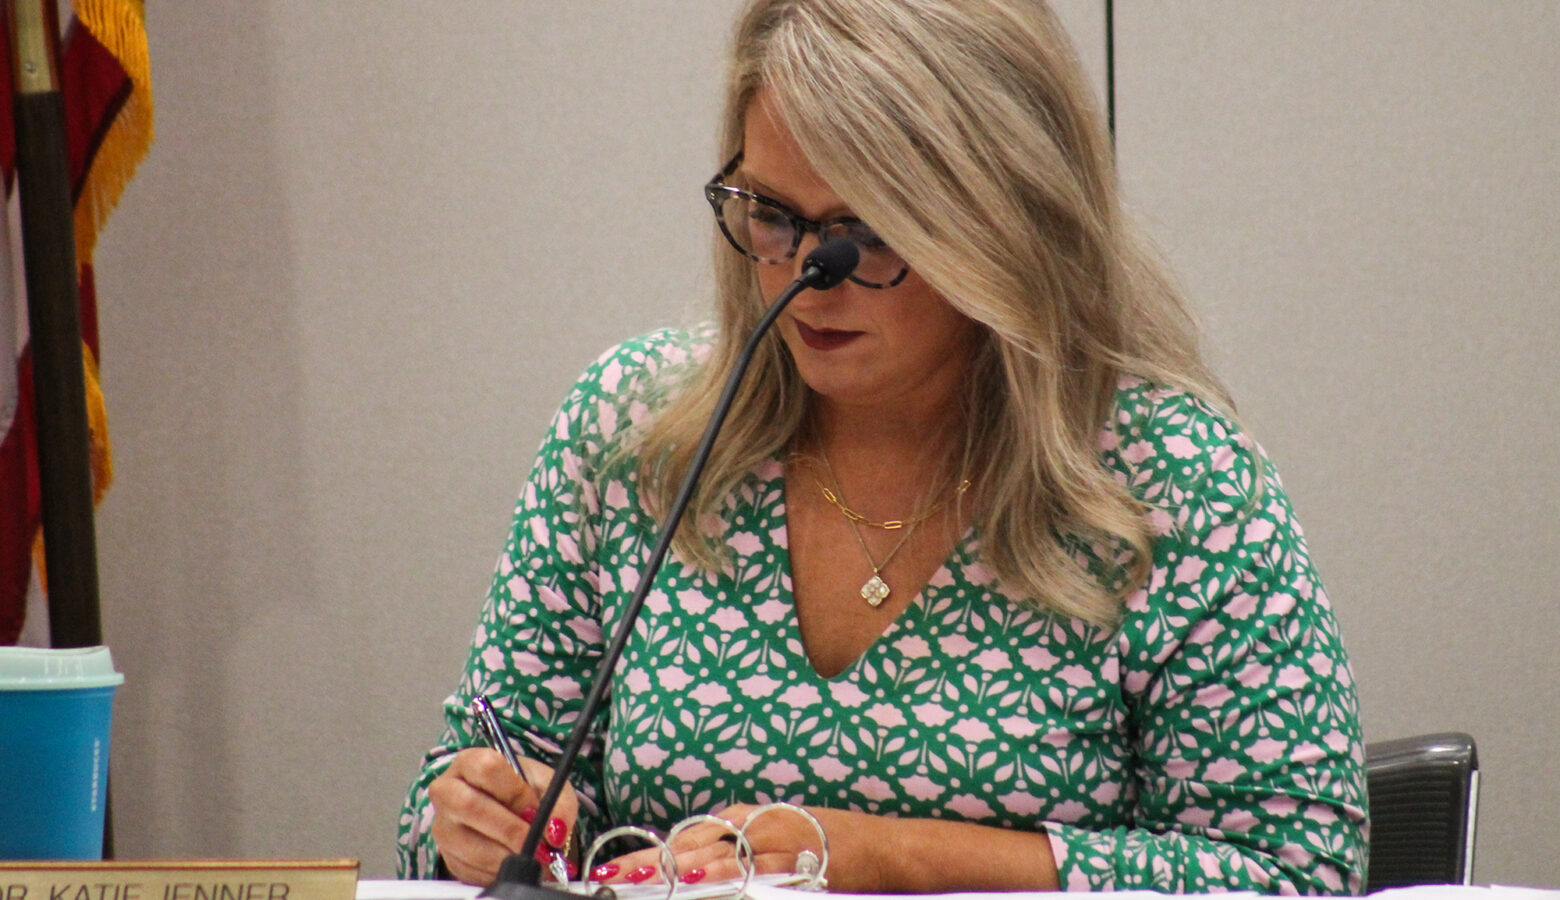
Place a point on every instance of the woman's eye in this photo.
(864, 237)
(763, 217)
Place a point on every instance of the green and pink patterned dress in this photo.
(1210, 742)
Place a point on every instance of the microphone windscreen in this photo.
(831, 263)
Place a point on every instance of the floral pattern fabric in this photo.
(1210, 742)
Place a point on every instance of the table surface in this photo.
(371, 889)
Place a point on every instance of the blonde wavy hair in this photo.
(967, 134)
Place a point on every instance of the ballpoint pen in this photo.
(493, 734)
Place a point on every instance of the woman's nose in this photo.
(808, 244)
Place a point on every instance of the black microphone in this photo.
(520, 875)
(829, 264)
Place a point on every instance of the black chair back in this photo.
(1423, 805)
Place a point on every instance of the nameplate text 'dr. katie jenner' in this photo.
(323, 879)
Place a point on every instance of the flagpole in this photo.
(54, 324)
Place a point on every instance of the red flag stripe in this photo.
(22, 506)
(95, 88)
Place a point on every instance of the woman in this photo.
(983, 572)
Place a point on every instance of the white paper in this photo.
(390, 889)
(765, 887)
(453, 890)
(781, 893)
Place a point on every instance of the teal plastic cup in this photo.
(56, 707)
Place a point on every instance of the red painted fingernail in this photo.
(570, 867)
(603, 872)
(528, 815)
(543, 854)
(693, 876)
(643, 873)
(557, 832)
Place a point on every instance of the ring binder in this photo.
(809, 875)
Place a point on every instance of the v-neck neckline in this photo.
(787, 584)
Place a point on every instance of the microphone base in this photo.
(519, 878)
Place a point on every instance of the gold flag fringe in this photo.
(120, 26)
(102, 452)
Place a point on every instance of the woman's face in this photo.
(855, 346)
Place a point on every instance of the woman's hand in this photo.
(867, 854)
(482, 811)
(708, 851)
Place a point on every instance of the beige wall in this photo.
(1364, 198)
(375, 242)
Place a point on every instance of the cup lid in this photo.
(38, 669)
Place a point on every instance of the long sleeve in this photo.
(539, 639)
(1249, 762)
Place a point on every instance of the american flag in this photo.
(106, 86)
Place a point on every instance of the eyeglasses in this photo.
(765, 230)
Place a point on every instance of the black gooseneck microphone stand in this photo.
(520, 876)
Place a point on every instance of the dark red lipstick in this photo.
(825, 338)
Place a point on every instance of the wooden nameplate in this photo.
(205, 879)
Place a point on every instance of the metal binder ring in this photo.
(744, 849)
(668, 861)
(817, 882)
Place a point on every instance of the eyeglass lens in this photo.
(771, 236)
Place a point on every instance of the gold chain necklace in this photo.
(876, 590)
(832, 495)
